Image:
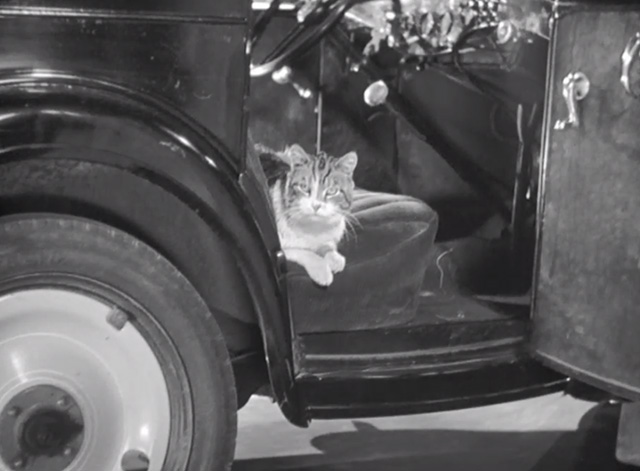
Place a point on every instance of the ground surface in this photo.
(551, 433)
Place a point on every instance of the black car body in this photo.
(136, 115)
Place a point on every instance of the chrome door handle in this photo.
(628, 57)
(575, 87)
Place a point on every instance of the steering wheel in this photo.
(314, 26)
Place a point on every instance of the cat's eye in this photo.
(302, 187)
(333, 191)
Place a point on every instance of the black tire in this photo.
(46, 250)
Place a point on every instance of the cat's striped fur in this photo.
(311, 196)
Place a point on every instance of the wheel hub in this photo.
(41, 429)
(80, 387)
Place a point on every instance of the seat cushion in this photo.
(387, 252)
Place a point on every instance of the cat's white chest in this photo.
(306, 240)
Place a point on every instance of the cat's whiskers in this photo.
(350, 229)
(351, 218)
(351, 222)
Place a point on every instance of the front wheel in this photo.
(109, 358)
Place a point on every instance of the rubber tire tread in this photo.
(41, 243)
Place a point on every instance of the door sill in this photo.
(456, 365)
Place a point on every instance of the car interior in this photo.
(442, 253)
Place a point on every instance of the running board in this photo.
(377, 391)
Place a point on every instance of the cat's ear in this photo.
(296, 155)
(347, 163)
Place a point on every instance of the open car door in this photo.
(586, 318)
(587, 306)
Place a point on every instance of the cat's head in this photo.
(318, 186)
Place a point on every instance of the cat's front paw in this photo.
(336, 261)
(320, 273)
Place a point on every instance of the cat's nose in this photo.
(315, 206)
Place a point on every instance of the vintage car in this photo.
(145, 296)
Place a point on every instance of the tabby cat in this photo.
(311, 197)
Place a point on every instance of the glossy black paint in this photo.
(197, 68)
(198, 10)
(429, 383)
(414, 339)
(158, 90)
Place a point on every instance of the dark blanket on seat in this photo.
(387, 254)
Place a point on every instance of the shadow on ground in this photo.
(367, 448)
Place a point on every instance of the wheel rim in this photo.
(70, 357)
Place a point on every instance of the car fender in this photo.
(58, 116)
